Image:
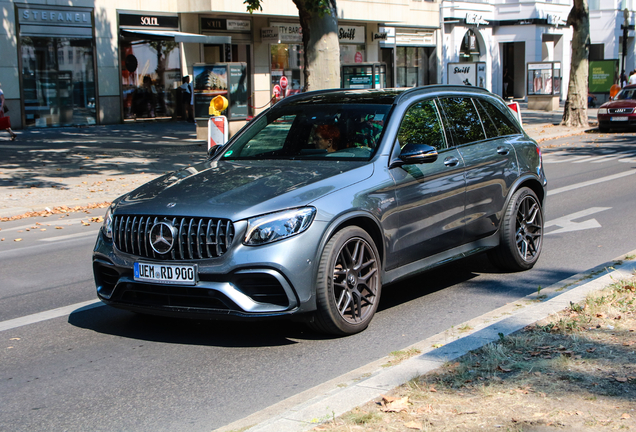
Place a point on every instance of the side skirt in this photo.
(441, 258)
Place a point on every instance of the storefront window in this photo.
(151, 74)
(58, 91)
(287, 61)
(415, 66)
(469, 50)
(352, 54)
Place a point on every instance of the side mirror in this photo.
(413, 154)
(214, 151)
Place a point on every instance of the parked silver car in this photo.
(321, 201)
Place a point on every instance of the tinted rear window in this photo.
(462, 120)
(495, 122)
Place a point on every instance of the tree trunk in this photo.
(321, 47)
(575, 112)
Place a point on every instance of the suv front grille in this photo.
(195, 238)
(621, 110)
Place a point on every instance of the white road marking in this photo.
(590, 183)
(566, 222)
(574, 159)
(612, 157)
(47, 315)
(70, 236)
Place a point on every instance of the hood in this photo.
(240, 189)
(625, 103)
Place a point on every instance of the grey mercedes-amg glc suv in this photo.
(321, 201)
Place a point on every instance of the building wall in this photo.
(401, 13)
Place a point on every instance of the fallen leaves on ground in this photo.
(57, 210)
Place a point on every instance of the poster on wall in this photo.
(603, 74)
(238, 91)
(473, 74)
(229, 80)
(209, 82)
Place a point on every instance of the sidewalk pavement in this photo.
(47, 168)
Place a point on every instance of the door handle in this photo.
(451, 161)
(503, 150)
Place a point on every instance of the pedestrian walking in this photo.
(632, 77)
(5, 121)
(187, 98)
(623, 82)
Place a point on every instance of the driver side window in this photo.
(421, 125)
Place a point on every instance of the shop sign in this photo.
(148, 21)
(289, 33)
(239, 25)
(555, 20)
(351, 34)
(413, 37)
(467, 74)
(55, 17)
(270, 35)
(475, 19)
(539, 66)
(215, 24)
(388, 31)
(383, 36)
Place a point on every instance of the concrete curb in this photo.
(334, 398)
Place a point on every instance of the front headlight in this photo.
(602, 111)
(277, 226)
(107, 227)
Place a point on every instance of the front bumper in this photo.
(245, 283)
(605, 121)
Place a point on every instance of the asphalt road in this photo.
(103, 369)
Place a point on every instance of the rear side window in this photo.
(462, 120)
(495, 122)
(421, 125)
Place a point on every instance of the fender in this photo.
(340, 222)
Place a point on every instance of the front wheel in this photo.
(348, 283)
(521, 233)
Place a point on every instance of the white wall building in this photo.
(72, 62)
(504, 36)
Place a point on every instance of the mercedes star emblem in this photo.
(162, 237)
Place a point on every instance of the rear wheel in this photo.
(348, 284)
(521, 233)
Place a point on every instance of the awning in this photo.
(177, 36)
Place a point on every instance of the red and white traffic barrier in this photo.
(516, 110)
(217, 131)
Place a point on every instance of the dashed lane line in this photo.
(590, 183)
(47, 315)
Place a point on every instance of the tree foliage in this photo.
(575, 112)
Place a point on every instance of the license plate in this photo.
(622, 118)
(166, 273)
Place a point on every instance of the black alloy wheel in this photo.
(521, 233)
(348, 284)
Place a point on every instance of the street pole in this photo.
(625, 27)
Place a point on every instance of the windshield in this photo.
(312, 131)
(626, 94)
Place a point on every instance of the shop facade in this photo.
(491, 45)
(56, 64)
(101, 62)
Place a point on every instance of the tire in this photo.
(348, 285)
(521, 233)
